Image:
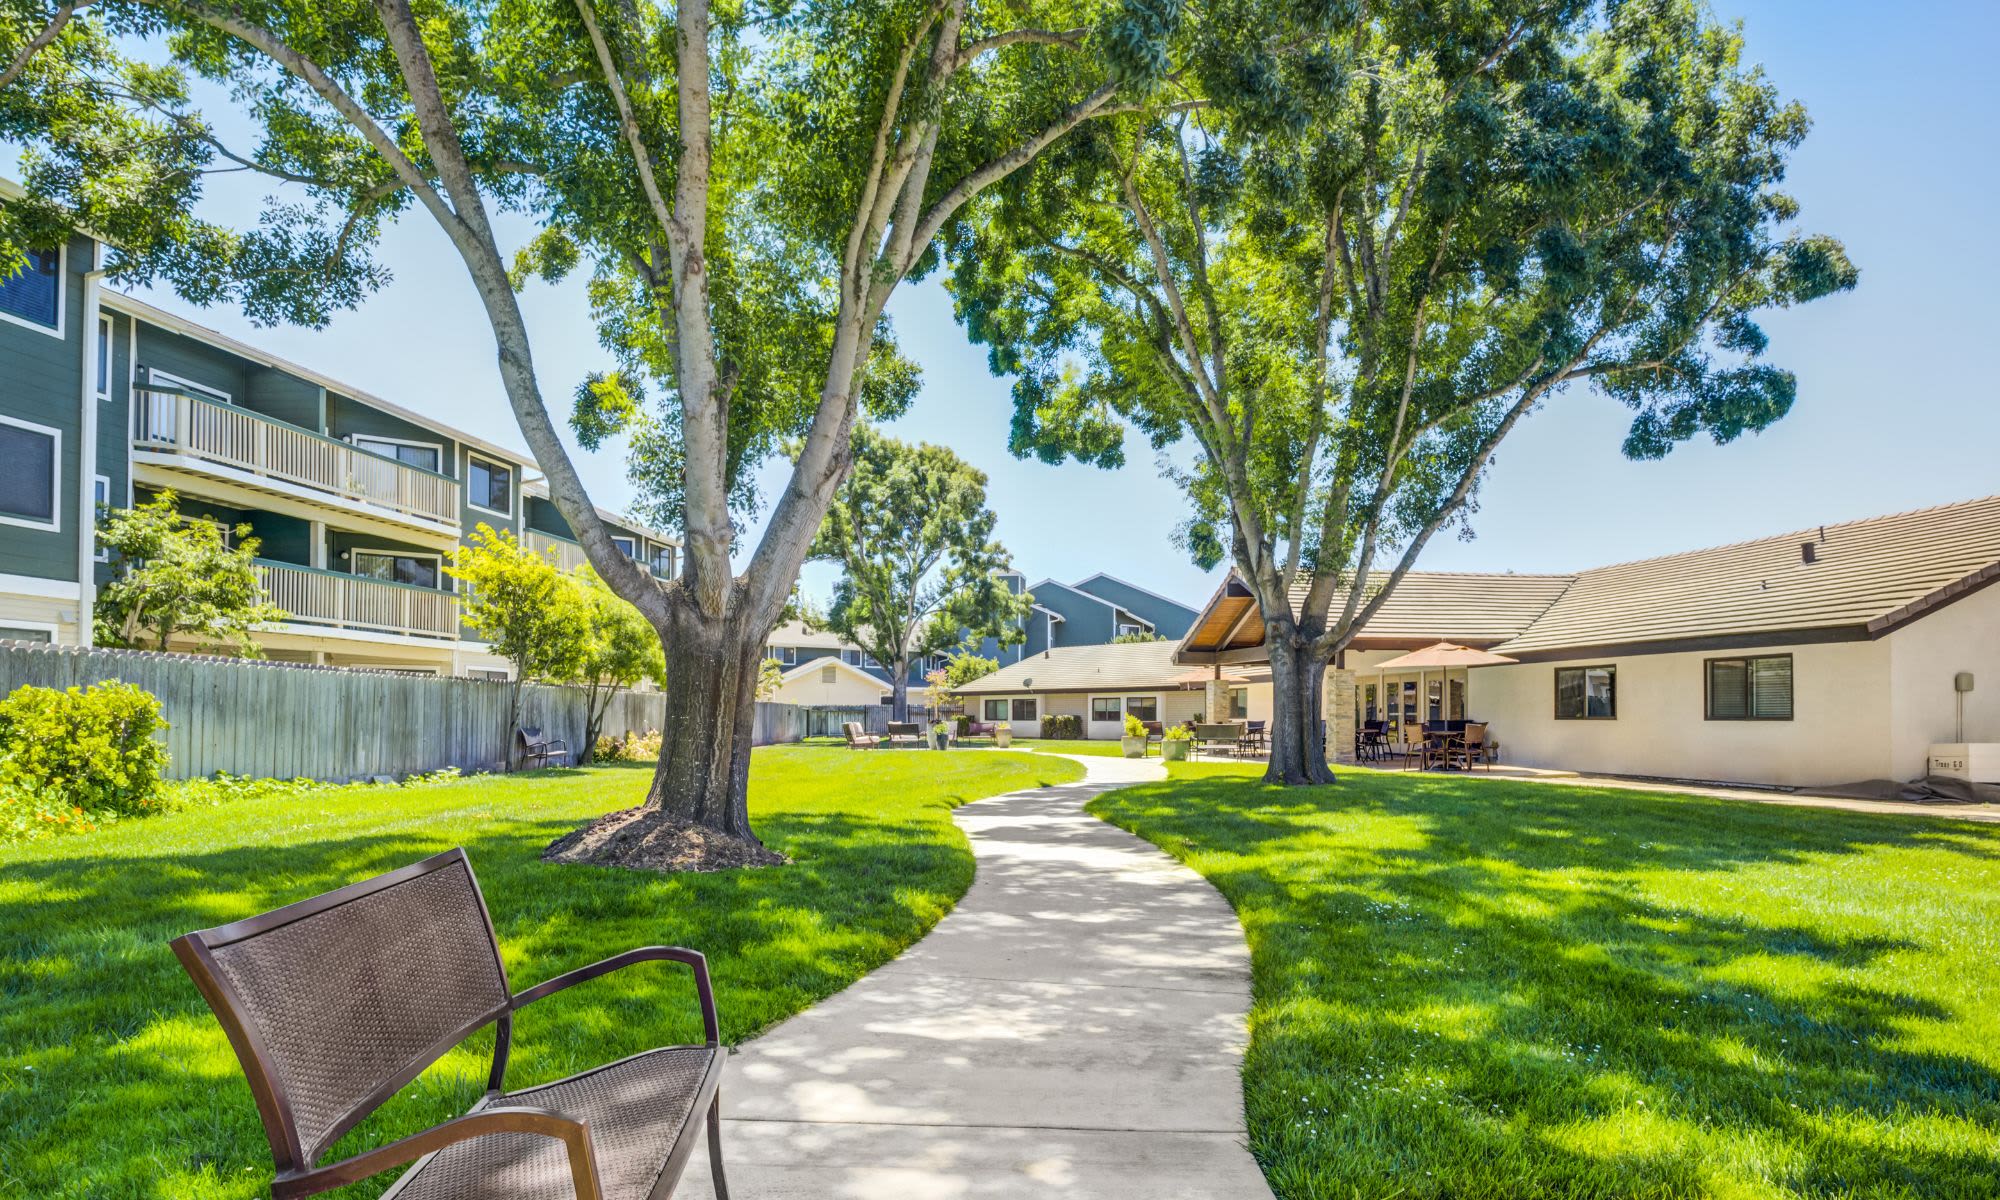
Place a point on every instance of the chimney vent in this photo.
(1808, 553)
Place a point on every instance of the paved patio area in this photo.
(1074, 1028)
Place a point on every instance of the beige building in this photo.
(1818, 657)
(1100, 685)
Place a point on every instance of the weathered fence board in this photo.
(286, 721)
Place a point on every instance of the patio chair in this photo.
(1253, 735)
(905, 733)
(334, 1004)
(1156, 732)
(857, 740)
(1468, 748)
(534, 750)
(1372, 742)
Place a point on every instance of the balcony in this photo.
(569, 555)
(331, 600)
(242, 457)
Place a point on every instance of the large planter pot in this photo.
(1175, 749)
(1003, 738)
(940, 737)
(1135, 747)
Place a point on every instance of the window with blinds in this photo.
(1750, 689)
(1587, 693)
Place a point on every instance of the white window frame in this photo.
(513, 484)
(103, 554)
(155, 375)
(1006, 704)
(629, 547)
(1036, 701)
(1090, 716)
(1124, 628)
(354, 554)
(54, 523)
(106, 354)
(49, 627)
(61, 330)
(356, 439)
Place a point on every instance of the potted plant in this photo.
(1134, 741)
(940, 735)
(1174, 747)
(1003, 735)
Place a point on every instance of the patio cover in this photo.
(1443, 656)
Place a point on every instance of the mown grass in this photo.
(116, 1082)
(1482, 988)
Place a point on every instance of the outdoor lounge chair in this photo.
(905, 733)
(535, 750)
(857, 740)
(333, 1004)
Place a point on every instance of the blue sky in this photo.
(1897, 403)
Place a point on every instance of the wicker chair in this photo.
(333, 1004)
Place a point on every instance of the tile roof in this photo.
(1474, 608)
(1864, 571)
(1115, 665)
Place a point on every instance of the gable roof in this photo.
(1867, 577)
(1083, 585)
(1094, 598)
(1108, 667)
(836, 662)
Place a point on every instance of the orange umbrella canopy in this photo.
(1443, 656)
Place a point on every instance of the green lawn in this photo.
(116, 1082)
(1482, 988)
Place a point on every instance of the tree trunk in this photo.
(899, 692)
(593, 720)
(703, 774)
(1298, 735)
(513, 721)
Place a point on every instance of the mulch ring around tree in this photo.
(642, 839)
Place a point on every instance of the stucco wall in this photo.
(1839, 731)
(1923, 657)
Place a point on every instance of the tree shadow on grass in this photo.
(115, 1080)
(1480, 991)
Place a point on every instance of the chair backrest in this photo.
(1256, 727)
(527, 735)
(1475, 733)
(1218, 731)
(901, 728)
(851, 728)
(1155, 729)
(336, 1002)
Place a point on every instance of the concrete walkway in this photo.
(1073, 1028)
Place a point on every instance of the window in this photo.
(32, 480)
(1750, 689)
(626, 546)
(415, 570)
(104, 358)
(427, 455)
(33, 295)
(1106, 708)
(1127, 629)
(100, 492)
(995, 710)
(1024, 709)
(1586, 693)
(1239, 703)
(161, 379)
(828, 673)
(26, 633)
(851, 657)
(663, 562)
(1146, 708)
(489, 485)
(784, 656)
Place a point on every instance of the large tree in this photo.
(1396, 231)
(746, 184)
(919, 566)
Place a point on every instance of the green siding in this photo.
(286, 397)
(198, 362)
(347, 417)
(41, 380)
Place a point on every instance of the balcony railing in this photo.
(569, 555)
(195, 427)
(315, 597)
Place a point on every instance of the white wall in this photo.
(1923, 657)
(846, 689)
(1839, 731)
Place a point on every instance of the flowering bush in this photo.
(27, 816)
(86, 748)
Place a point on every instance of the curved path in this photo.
(1073, 1028)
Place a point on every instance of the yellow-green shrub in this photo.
(92, 748)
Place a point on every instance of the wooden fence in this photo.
(285, 720)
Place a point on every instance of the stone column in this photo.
(1215, 701)
(1339, 693)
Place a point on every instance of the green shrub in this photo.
(1179, 733)
(1062, 725)
(1134, 727)
(92, 749)
(27, 816)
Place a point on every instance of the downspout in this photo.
(86, 507)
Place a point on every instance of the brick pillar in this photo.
(1339, 693)
(1215, 701)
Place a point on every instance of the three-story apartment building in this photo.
(357, 502)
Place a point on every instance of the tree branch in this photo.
(41, 40)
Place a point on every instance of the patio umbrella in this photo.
(1444, 655)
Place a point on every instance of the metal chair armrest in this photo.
(503, 1119)
(693, 958)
